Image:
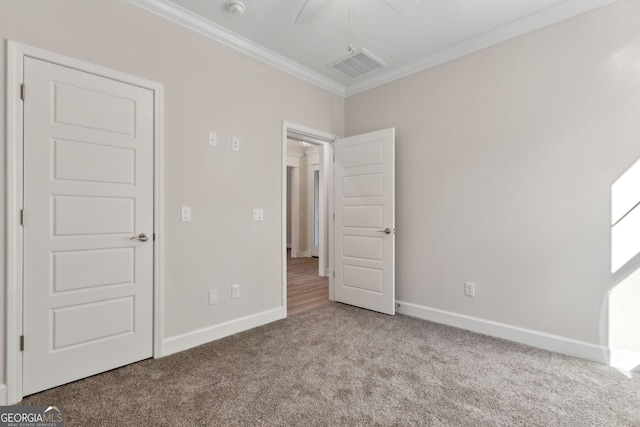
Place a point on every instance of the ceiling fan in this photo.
(311, 8)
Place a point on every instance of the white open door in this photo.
(88, 200)
(364, 229)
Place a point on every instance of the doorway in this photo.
(306, 183)
(307, 286)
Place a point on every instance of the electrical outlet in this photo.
(235, 144)
(258, 214)
(235, 291)
(213, 296)
(469, 289)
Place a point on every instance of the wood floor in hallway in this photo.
(305, 289)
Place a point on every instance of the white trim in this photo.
(200, 25)
(212, 333)
(194, 22)
(555, 343)
(14, 189)
(311, 220)
(158, 221)
(294, 202)
(327, 214)
(3, 394)
(510, 31)
(296, 155)
(301, 254)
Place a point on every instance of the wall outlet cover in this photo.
(469, 289)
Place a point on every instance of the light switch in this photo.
(213, 296)
(213, 139)
(185, 214)
(258, 214)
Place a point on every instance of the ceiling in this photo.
(417, 35)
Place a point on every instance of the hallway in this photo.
(305, 289)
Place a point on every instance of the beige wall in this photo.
(505, 161)
(207, 87)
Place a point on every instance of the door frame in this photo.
(16, 52)
(325, 141)
(311, 222)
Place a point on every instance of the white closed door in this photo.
(364, 240)
(88, 189)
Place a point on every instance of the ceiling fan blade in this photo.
(310, 10)
(402, 7)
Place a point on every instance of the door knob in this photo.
(143, 237)
(385, 231)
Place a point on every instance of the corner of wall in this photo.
(205, 335)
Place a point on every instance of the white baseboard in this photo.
(555, 343)
(300, 254)
(205, 335)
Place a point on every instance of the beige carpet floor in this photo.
(338, 365)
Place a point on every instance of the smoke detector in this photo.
(236, 7)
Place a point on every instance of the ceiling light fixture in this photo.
(236, 7)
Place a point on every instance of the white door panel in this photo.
(88, 188)
(365, 207)
(101, 163)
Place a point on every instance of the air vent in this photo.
(356, 65)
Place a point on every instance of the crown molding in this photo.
(507, 32)
(192, 21)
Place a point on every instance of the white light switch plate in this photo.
(213, 139)
(185, 214)
(213, 296)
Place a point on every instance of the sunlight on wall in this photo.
(625, 66)
(624, 322)
(625, 217)
(624, 296)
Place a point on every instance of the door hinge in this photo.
(21, 342)
(21, 216)
(22, 91)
